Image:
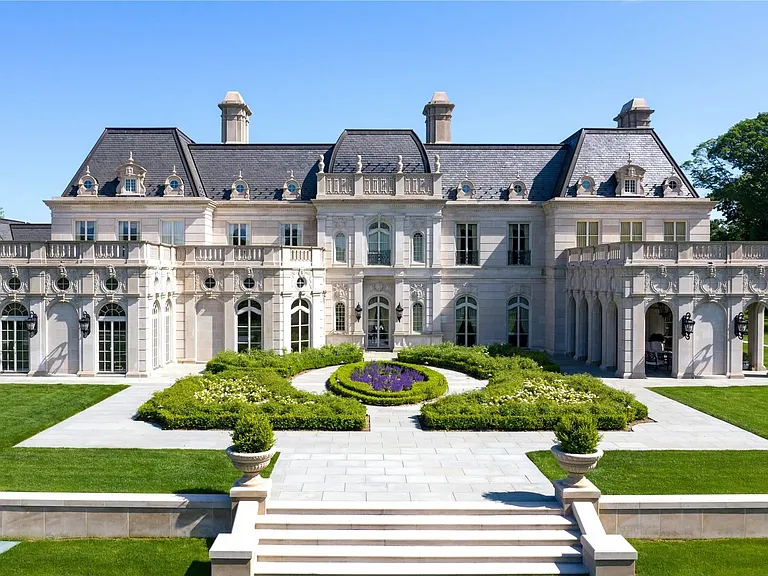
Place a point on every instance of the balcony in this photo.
(518, 257)
(386, 185)
(467, 258)
(656, 253)
(383, 258)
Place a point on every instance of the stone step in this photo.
(415, 568)
(543, 506)
(419, 537)
(413, 522)
(417, 554)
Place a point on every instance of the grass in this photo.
(672, 471)
(28, 409)
(105, 557)
(742, 406)
(765, 352)
(733, 557)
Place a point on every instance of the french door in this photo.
(113, 339)
(14, 338)
(378, 323)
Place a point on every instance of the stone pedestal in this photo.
(255, 490)
(584, 492)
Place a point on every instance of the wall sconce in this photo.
(687, 325)
(358, 311)
(740, 325)
(85, 324)
(31, 322)
(399, 312)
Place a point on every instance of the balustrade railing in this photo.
(14, 250)
(62, 250)
(467, 257)
(673, 252)
(518, 257)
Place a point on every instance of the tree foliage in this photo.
(734, 167)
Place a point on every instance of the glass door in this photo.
(15, 339)
(378, 323)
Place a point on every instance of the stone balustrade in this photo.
(655, 253)
(410, 185)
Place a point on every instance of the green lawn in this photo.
(104, 557)
(672, 471)
(26, 409)
(742, 406)
(765, 352)
(733, 557)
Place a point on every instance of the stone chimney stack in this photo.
(438, 112)
(634, 114)
(234, 119)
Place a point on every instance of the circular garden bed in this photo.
(387, 383)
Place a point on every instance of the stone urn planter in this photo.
(250, 464)
(577, 465)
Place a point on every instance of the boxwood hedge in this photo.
(341, 383)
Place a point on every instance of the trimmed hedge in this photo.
(510, 370)
(341, 383)
(477, 361)
(286, 365)
(286, 407)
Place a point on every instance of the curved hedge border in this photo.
(341, 383)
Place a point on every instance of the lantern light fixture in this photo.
(687, 325)
(31, 323)
(399, 311)
(358, 311)
(85, 324)
(740, 325)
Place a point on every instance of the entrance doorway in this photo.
(15, 339)
(659, 340)
(378, 323)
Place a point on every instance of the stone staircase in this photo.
(416, 538)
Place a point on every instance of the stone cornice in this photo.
(653, 205)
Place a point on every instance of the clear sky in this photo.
(517, 72)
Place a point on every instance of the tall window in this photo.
(630, 186)
(379, 251)
(418, 248)
(113, 339)
(675, 231)
(518, 325)
(130, 184)
(519, 248)
(467, 245)
(466, 321)
(340, 247)
(248, 325)
(340, 324)
(291, 234)
(172, 232)
(128, 230)
(15, 338)
(85, 230)
(238, 234)
(300, 318)
(156, 335)
(587, 234)
(168, 330)
(631, 231)
(417, 317)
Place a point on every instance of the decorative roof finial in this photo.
(321, 164)
(629, 157)
(174, 170)
(466, 174)
(240, 173)
(399, 163)
(359, 166)
(292, 178)
(130, 156)
(518, 175)
(437, 163)
(88, 169)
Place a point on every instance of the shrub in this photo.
(252, 433)
(577, 434)
(354, 381)
(286, 365)
(217, 401)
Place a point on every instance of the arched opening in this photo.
(571, 328)
(659, 339)
(417, 317)
(113, 339)
(379, 248)
(754, 346)
(209, 331)
(378, 323)
(709, 339)
(596, 327)
(418, 248)
(249, 325)
(466, 321)
(156, 339)
(300, 327)
(340, 247)
(518, 324)
(14, 338)
(63, 333)
(340, 317)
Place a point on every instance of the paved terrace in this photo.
(397, 460)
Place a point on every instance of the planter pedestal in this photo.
(255, 490)
(584, 492)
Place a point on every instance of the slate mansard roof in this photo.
(547, 170)
(24, 231)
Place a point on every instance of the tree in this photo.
(734, 167)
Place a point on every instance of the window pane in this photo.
(340, 244)
(178, 232)
(418, 317)
(669, 231)
(637, 231)
(418, 248)
(681, 231)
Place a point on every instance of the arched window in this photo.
(15, 338)
(417, 317)
(379, 250)
(418, 248)
(248, 325)
(340, 324)
(300, 318)
(169, 336)
(518, 325)
(156, 335)
(340, 247)
(466, 321)
(113, 339)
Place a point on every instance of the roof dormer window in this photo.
(240, 189)
(131, 177)
(672, 186)
(130, 185)
(629, 179)
(466, 189)
(174, 185)
(630, 186)
(88, 185)
(291, 188)
(518, 190)
(585, 186)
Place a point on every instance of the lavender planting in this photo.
(386, 377)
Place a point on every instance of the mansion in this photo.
(163, 250)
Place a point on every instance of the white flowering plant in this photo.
(535, 390)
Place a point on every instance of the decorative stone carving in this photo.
(672, 186)
(756, 282)
(711, 283)
(341, 292)
(437, 163)
(661, 282)
(381, 287)
(174, 186)
(518, 190)
(417, 292)
(88, 185)
(399, 163)
(519, 290)
(240, 189)
(585, 186)
(131, 177)
(341, 223)
(411, 225)
(291, 188)
(320, 164)
(465, 288)
(632, 174)
(359, 165)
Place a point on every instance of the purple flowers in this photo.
(386, 377)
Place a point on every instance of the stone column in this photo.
(435, 307)
(578, 344)
(37, 342)
(684, 347)
(734, 345)
(437, 241)
(758, 336)
(398, 258)
(624, 349)
(399, 331)
(359, 241)
(638, 337)
(190, 328)
(608, 337)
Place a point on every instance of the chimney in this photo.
(634, 114)
(234, 119)
(438, 112)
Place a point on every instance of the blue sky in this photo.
(517, 72)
